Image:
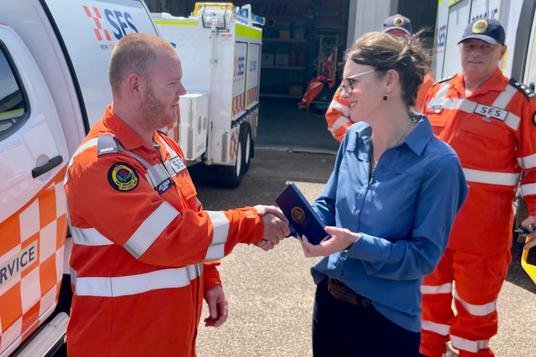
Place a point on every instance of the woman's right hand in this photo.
(341, 239)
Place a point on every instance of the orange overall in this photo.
(338, 113)
(493, 132)
(144, 249)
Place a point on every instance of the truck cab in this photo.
(53, 86)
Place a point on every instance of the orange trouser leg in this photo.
(478, 281)
(437, 307)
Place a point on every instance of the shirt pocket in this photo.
(484, 143)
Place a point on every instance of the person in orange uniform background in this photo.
(145, 252)
(489, 121)
(338, 113)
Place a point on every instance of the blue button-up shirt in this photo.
(404, 213)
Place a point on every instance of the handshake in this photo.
(276, 226)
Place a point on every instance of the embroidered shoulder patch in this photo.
(527, 92)
(122, 177)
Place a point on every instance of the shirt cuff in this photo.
(211, 276)
(370, 248)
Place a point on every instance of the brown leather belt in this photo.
(342, 292)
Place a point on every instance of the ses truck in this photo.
(220, 50)
(53, 86)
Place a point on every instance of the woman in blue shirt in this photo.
(389, 206)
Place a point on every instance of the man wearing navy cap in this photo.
(489, 121)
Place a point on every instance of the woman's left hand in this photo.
(341, 239)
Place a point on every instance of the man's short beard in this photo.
(152, 109)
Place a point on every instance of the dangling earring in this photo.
(386, 97)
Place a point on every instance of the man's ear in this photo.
(134, 85)
(503, 51)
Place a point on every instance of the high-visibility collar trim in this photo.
(491, 178)
(136, 284)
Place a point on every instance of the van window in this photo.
(12, 99)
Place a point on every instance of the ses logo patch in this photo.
(114, 22)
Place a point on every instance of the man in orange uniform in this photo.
(490, 122)
(338, 113)
(145, 252)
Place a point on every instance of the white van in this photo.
(53, 86)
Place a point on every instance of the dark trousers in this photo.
(351, 326)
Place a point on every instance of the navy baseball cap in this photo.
(397, 22)
(488, 30)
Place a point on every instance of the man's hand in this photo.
(217, 306)
(530, 221)
(341, 239)
(275, 226)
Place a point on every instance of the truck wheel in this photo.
(247, 144)
(229, 176)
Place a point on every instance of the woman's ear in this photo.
(392, 78)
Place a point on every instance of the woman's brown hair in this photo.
(406, 55)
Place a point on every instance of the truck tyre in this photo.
(247, 145)
(229, 176)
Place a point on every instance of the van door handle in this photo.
(52, 163)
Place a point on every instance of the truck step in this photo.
(48, 337)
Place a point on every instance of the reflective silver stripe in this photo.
(528, 189)
(476, 310)
(345, 110)
(465, 105)
(492, 178)
(437, 289)
(527, 162)
(88, 144)
(443, 89)
(220, 227)
(150, 229)
(338, 123)
(504, 98)
(89, 237)
(512, 121)
(440, 329)
(135, 284)
(215, 252)
(199, 204)
(468, 345)
(156, 174)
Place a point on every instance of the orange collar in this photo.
(126, 135)
(496, 82)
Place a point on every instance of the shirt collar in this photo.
(494, 83)
(416, 140)
(420, 136)
(129, 139)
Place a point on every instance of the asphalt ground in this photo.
(271, 294)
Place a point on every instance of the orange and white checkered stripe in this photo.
(239, 104)
(252, 96)
(28, 295)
